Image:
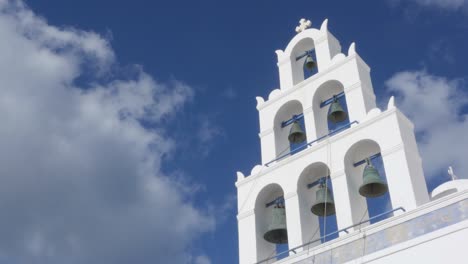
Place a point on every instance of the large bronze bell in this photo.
(277, 232)
(373, 185)
(296, 135)
(336, 113)
(309, 63)
(324, 204)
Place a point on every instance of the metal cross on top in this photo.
(451, 173)
(303, 25)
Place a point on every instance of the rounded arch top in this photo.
(267, 194)
(361, 150)
(308, 35)
(286, 111)
(358, 151)
(312, 173)
(303, 41)
(326, 90)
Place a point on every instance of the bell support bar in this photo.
(331, 133)
(276, 201)
(290, 121)
(317, 182)
(322, 104)
(308, 52)
(330, 100)
(359, 163)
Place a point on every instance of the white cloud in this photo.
(229, 93)
(442, 51)
(435, 105)
(80, 178)
(202, 260)
(445, 4)
(207, 132)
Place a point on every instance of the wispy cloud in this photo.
(443, 4)
(207, 132)
(441, 51)
(202, 260)
(437, 106)
(229, 93)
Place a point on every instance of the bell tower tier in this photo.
(327, 151)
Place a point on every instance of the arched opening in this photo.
(315, 227)
(299, 55)
(322, 104)
(378, 200)
(270, 223)
(282, 144)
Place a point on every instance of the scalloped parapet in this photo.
(352, 49)
(372, 113)
(256, 169)
(279, 53)
(391, 103)
(337, 58)
(324, 26)
(260, 101)
(273, 94)
(240, 176)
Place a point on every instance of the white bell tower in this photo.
(291, 171)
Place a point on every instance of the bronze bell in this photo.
(296, 135)
(324, 204)
(336, 113)
(309, 63)
(277, 232)
(373, 185)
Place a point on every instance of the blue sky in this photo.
(124, 123)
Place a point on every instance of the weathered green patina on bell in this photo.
(277, 232)
(336, 113)
(296, 134)
(324, 204)
(309, 63)
(373, 185)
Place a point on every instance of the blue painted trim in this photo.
(276, 201)
(364, 160)
(290, 121)
(330, 100)
(308, 52)
(331, 133)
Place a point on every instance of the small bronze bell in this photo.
(277, 232)
(373, 185)
(336, 113)
(296, 135)
(324, 204)
(309, 63)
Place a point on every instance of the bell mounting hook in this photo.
(370, 158)
(307, 52)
